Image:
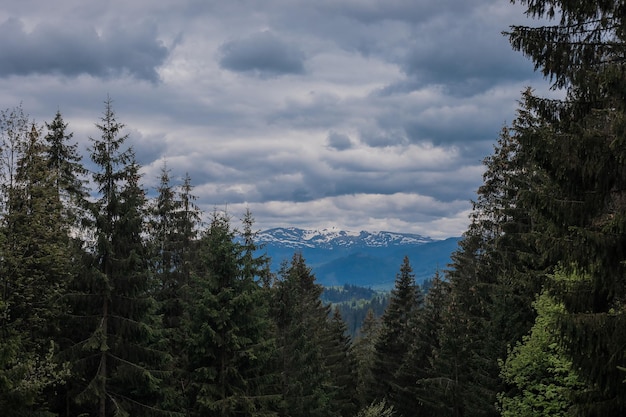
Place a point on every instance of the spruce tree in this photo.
(64, 162)
(418, 369)
(35, 266)
(396, 336)
(301, 323)
(364, 348)
(577, 143)
(189, 222)
(465, 365)
(492, 281)
(341, 362)
(228, 353)
(115, 367)
(171, 240)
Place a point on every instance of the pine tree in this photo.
(115, 367)
(396, 336)
(189, 222)
(255, 265)
(301, 323)
(492, 281)
(34, 266)
(171, 240)
(500, 223)
(364, 348)
(228, 350)
(341, 363)
(577, 144)
(64, 162)
(419, 367)
(465, 365)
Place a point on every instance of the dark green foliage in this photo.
(418, 369)
(396, 335)
(464, 367)
(577, 145)
(342, 365)
(114, 364)
(364, 348)
(492, 282)
(172, 245)
(301, 321)
(230, 345)
(64, 164)
(347, 293)
(34, 269)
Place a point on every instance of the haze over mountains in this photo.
(367, 259)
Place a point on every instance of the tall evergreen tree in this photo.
(114, 363)
(35, 265)
(189, 222)
(492, 282)
(301, 322)
(228, 352)
(38, 244)
(396, 336)
(341, 363)
(64, 162)
(465, 364)
(418, 369)
(578, 145)
(171, 240)
(364, 348)
(508, 264)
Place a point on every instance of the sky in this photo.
(350, 114)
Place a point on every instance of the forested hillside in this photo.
(116, 304)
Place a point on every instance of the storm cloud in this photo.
(78, 49)
(263, 54)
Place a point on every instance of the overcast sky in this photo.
(355, 114)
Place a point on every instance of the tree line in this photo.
(116, 304)
(113, 303)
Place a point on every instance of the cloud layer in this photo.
(262, 53)
(353, 114)
(73, 50)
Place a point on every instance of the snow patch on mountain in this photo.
(292, 237)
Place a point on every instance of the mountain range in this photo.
(365, 259)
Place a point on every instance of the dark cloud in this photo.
(436, 57)
(262, 53)
(377, 138)
(339, 141)
(77, 49)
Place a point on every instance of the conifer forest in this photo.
(121, 301)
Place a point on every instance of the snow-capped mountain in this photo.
(292, 237)
(368, 259)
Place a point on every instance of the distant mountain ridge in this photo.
(366, 259)
(293, 237)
